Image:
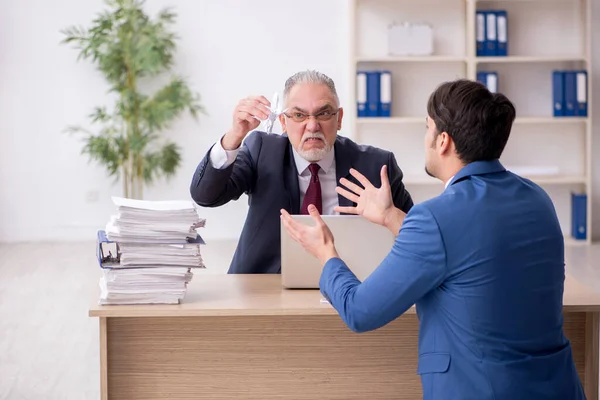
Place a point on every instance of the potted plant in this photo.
(130, 48)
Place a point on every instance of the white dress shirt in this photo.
(448, 182)
(221, 158)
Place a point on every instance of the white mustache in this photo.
(314, 135)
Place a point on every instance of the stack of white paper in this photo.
(158, 245)
(143, 221)
(144, 286)
(160, 255)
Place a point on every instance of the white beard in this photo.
(313, 155)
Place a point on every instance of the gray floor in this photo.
(48, 344)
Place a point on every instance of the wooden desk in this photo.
(244, 337)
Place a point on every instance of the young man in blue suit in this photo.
(287, 171)
(484, 262)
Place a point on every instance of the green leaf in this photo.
(168, 103)
(161, 163)
(104, 150)
(99, 115)
(170, 159)
(127, 45)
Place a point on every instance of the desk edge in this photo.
(147, 312)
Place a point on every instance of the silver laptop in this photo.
(361, 244)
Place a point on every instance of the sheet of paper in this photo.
(167, 205)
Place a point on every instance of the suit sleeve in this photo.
(415, 265)
(402, 199)
(213, 187)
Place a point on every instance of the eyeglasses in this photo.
(322, 116)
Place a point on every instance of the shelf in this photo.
(558, 179)
(553, 152)
(521, 120)
(528, 1)
(529, 59)
(422, 180)
(540, 180)
(569, 241)
(391, 120)
(418, 59)
(551, 120)
(479, 60)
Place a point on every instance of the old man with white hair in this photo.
(288, 171)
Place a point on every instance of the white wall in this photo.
(228, 49)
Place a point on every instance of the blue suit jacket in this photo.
(265, 170)
(484, 264)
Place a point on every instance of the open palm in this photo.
(371, 202)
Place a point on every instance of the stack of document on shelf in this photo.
(148, 250)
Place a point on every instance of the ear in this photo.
(282, 122)
(444, 142)
(340, 115)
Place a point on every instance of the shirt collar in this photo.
(448, 181)
(302, 165)
(478, 168)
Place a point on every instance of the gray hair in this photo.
(309, 76)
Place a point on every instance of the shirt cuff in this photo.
(221, 158)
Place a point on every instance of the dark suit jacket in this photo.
(265, 170)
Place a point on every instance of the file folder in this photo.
(558, 93)
(489, 79)
(491, 36)
(385, 82)
(578, 216)
(373, 93)
(581, 94)
(480, 33)
(481, 78)
(109, 254)
(492, 81)
(570, 91)
(107, 251)
(502, 33)
(361, 94)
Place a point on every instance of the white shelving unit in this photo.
(542, 36)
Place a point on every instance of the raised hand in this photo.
(374, 204)
(247, 115)
(317, 240)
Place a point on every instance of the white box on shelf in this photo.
(410, 39)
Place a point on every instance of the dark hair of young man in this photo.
(478, 121)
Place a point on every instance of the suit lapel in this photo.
(290, 180)
(343, 163)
